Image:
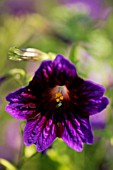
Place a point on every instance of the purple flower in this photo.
(57, 103)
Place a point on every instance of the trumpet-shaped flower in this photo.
(57, 103)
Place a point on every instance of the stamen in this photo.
(59, 93)
(59, 97)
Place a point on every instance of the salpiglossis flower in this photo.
(57, 103)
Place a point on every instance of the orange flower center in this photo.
(59, 93)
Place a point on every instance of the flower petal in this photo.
(77, 131)
(86, 129)
(91, 90)
(41, 131)
(87, 97)
(64, 70)
(43, 77)
(22, 103)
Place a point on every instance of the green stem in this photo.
(28, 159)
(21, 157)
(7, 164)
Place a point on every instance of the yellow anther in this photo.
(59, 97)
(57, 100)
(58, 94)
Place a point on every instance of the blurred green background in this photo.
(81, 30)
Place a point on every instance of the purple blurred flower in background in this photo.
(19, 7)
(2, 79)
(13, 133)
(6, 153)
(98, 121)
(11, 146)
(96, 8)
(57, 103)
